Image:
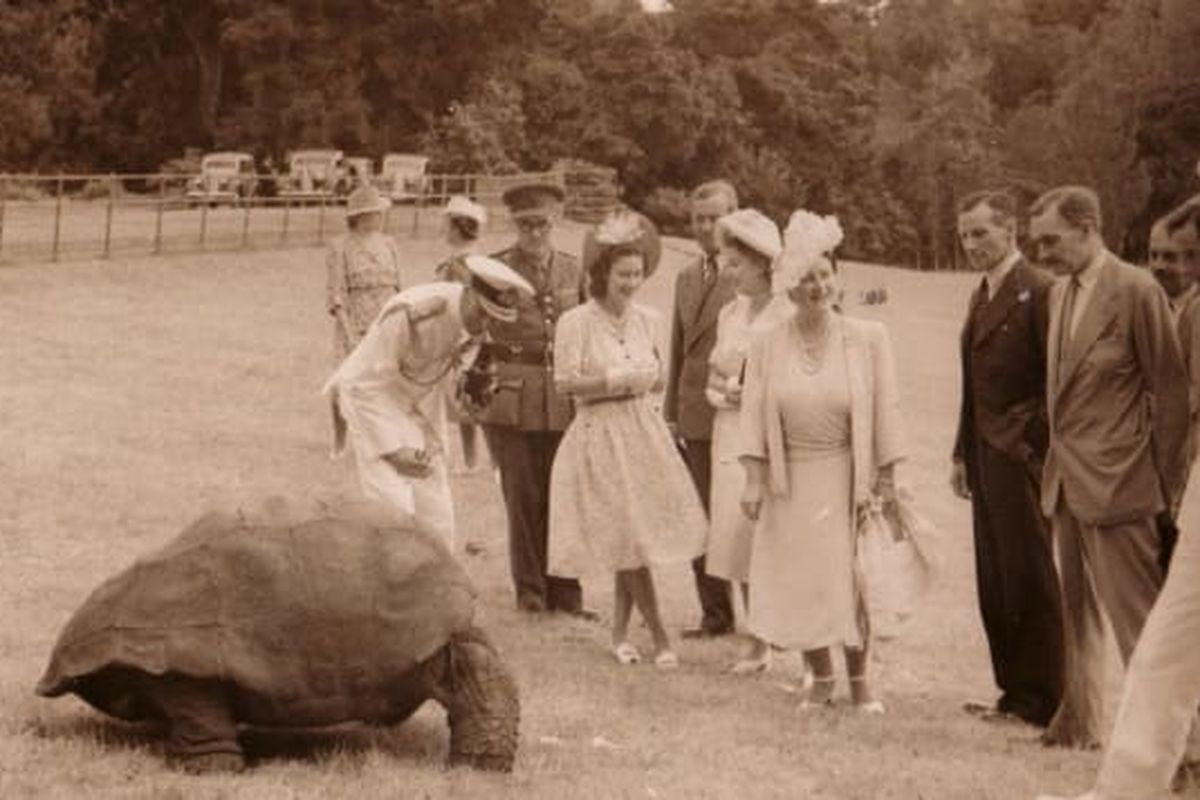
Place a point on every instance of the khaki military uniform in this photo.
(391, 391)
(525, 421)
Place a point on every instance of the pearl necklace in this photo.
(813, 352)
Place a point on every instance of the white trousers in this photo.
(1162, 685)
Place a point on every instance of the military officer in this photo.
(390, 392)
(523, 427)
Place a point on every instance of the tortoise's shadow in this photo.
(422, 738)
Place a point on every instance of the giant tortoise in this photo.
(289, 618)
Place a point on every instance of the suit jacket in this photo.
(524, 349)
(693, 335)
(1117, 402)
(875, 428)
(1003, 354)
(1188, 328)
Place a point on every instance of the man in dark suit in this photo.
(1118, 409)
(525, 422)
(998, 458)
(700, 291)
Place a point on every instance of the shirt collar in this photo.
(1086, 277)
(996, 275)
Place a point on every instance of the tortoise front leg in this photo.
(481, 701)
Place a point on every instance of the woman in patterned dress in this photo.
(362, 269)
(749, 243)
(821, 426)
(620, 495)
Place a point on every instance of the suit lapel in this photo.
(993, 312)
(707, 306)
(1095, 319)
(1053, 337)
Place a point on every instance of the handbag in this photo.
(894, 570)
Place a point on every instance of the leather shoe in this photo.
(531, 604)
(704, 633)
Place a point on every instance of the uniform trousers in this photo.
(1114, 567)
(524, 459)
(716, 605)
(1017, 586)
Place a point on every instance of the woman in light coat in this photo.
(821, 427)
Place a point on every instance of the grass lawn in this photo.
(136, 394)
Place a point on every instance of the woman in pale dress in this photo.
(821, 434)
(749, 244)
(620, 495)
(362, 269)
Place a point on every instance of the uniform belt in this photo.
(532, 353)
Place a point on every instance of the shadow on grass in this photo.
(419, 740)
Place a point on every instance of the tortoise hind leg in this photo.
(201, 730)
(481, 700)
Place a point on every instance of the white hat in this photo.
(366, 200)
(808, 239)
(463, 206)
(754, 229)
(494, 282)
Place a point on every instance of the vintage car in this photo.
(402, 177)
(226, 177)
(314, 175)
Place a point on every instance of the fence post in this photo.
(5, 187)
(58, 201)
(246, 201)
(287, 210)
(321, 221)
(108, 214)
(203, 223)
(162, 199)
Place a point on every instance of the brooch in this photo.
(1023, 297)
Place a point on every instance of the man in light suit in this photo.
(997, 463)
(701, 289)
(1118, 411)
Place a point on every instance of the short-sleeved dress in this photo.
(362, 272)
(730, 531)
(620, 495)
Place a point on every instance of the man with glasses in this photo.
(526, 419)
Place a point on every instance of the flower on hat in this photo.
(619, 227)
(808, 238)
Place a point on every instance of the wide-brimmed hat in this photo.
(753, 229)
(534, 199)
(366, 200)
(463, 206)
(497, 285)
(808, 239)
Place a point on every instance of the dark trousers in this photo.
(715, 604)
(1019, 597)
(524, 459)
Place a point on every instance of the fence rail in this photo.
(81, 216)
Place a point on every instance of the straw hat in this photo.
(753, 229)
(366, 200)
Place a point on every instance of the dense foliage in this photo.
(884, 111)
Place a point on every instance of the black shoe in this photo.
(531, 604)
(705, 633)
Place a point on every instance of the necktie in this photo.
(1066, 322)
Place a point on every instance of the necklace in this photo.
(813, 351)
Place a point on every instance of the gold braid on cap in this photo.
(619, 227)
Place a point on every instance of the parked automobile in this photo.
(314, 175)
(225, 177)
(402, 177)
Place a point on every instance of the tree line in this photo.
(882, 111)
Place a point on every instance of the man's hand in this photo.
(958, 480)
(410, 462)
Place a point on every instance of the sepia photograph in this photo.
(614, 399)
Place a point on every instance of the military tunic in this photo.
(526, 419)
(391, 391)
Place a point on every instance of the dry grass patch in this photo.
(137, 394)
